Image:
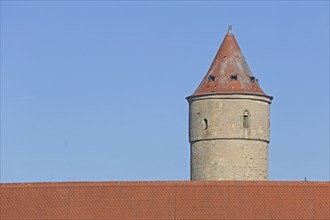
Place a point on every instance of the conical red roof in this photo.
(229, 72)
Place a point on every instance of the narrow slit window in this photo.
(246, 119)
(206, 125)
(211, 78)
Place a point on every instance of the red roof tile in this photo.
(229, 72)
(166, 200)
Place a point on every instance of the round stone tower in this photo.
(229, 120)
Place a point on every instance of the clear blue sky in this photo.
(94, 91)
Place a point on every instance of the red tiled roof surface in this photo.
(166, 200)
(229, 72)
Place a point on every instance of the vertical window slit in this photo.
(246, 119)
(205, 124)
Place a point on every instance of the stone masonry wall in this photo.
(229, 136)
(229, 160)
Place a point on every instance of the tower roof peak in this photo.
(230, 29)
(229, 72)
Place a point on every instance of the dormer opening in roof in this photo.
(253, 79)
(233, 77)
(211, 78)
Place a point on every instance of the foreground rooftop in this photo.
(166, 200)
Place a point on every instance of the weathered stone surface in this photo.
(229, 160)
(223, 146)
